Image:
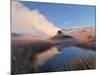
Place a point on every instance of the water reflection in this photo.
(43, 57)
(56, 57)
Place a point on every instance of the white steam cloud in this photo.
(31, 22)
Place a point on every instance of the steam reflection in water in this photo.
(55, 57)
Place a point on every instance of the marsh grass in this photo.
(79, 63)
(84, 63)
(23, 58)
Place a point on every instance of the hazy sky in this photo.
(65, 15)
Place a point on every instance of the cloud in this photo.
(67, 22)
(31, 22)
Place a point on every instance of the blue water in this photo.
(68, 55)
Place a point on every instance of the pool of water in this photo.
(56, 58)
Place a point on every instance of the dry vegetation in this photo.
(23, 55)
(84, 63)
(78, 64)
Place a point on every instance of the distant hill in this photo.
(86, 36)
(20, 36)
(16, 34)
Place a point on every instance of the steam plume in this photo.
(31, 22)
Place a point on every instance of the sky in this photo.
(65, 15)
